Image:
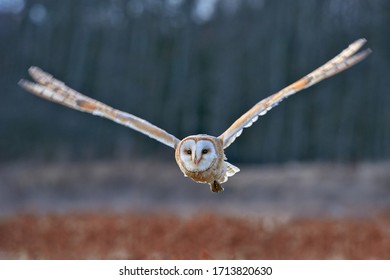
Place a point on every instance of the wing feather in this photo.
(54, 90)
(339, 63)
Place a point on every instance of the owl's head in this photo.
(197, 153)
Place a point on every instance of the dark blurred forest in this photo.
(194, 67)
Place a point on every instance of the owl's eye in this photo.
(205, 151)
(188, 152)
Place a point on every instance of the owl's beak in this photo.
(195, 160)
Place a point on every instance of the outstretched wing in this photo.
(339, 63)
(54, 90)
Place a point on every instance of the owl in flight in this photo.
(200, 157)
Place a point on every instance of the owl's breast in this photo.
(213, 173)
(206, 176)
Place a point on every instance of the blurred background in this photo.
(194, 66)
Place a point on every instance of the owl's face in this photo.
(197, 155)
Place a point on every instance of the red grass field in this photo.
(116, 210)
(203, 236)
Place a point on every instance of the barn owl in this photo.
(200, 157)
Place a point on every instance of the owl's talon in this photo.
(216, 187)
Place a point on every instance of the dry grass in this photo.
(291, 211)
(203, 236)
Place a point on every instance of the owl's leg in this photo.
(216, 187)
